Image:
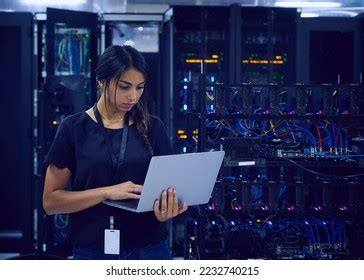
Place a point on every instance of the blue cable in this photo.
(321, 223)
(333, 231)
(338, 233)
(312, 233)
(341, 137)
(246, 129)
(318, 233)
(328, 134)
(344, 232)
(257, 110)
(313, 143)
(346, 138)
(308, 233)
(333, 135)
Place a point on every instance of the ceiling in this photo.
(337, 8)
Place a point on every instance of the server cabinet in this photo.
(67, 56)
(198, 39)
(71, 56)
(16, 95)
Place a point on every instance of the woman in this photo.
(105, 152)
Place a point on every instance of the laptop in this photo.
(193, 175)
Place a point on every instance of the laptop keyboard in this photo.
(132, 203)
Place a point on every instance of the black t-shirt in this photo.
(80, 146)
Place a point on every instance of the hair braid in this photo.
(140, 117)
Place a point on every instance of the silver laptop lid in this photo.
(193, 175)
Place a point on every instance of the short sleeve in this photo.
(161, 141)
(61, 152)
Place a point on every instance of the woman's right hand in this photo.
(124, 190)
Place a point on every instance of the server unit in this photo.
(197, 41)
(268, 45)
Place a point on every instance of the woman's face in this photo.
(124, 94)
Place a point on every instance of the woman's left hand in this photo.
(168, 207)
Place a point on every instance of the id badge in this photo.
(112, 239)
(112, 242)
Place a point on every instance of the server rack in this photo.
(16, 99)
(273, 189)
(216, 229)
(185, 28)
(210, 48)
(67, 55)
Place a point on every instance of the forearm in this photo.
(62, 201)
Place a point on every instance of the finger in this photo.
(137, 188)
(130, 183)
(170, 203)
(156, 208)
(131, 188)
(182, 208)
(133, 196)
(164, 203)
(175, 203)
(157, 211)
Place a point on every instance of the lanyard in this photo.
(116, 162)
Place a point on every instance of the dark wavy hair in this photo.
(111, 65)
